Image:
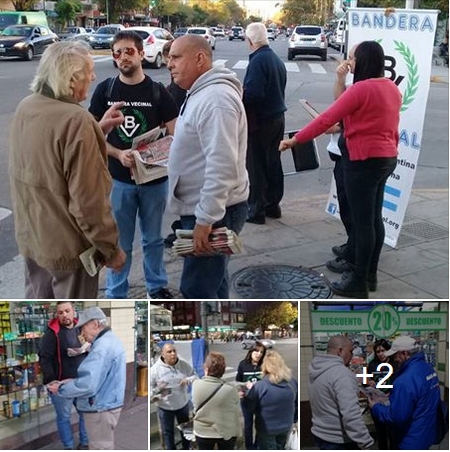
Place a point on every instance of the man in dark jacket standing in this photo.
(264, 86)
(60, 354)
(414, 400)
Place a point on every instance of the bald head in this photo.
(190, 57)
(169, 354)
(341, 346)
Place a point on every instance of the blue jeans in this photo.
(147, 202)
(167, 421)
(326, 445)
(266, 441)
(207, 277)
(63, 408)
(248, 428)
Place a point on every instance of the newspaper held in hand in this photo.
(92, 260)
(151, 155)
(375, 394)
(309, 108)
(223, 240)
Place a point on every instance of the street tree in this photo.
(67, 11)
(23, 5)
(279, 313)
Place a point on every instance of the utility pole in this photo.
(204, 316)
(411, 4)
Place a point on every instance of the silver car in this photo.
(250, 341)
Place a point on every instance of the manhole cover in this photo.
(280, 282)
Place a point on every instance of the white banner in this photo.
(407, 37)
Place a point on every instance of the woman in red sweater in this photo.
(370, 111)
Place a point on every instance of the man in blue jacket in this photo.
(264, 86)
(100, 386)
(414, 400)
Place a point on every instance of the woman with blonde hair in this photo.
(274, 401)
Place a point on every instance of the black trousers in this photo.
(344, 209)
(264, 166)
(364, 184)
(209, 443)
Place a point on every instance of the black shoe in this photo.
(340, 250)
(257, 219)
(273, 212)
(350, 287)
(161, 294)
(169, 240)
(339, 265)
(372, 283)
(83, 447)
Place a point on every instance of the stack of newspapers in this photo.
(222, 240)
(151, 155)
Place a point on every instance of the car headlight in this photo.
(91, 38)
(19, 45)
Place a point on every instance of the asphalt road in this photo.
(308, 77)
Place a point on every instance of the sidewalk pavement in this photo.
(131, 432)
(417, 269)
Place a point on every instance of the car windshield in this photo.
(17, 31)
(196, 31)
(309, 31)
(236, 29)
(106, 31)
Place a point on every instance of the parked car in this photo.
(308, 40)
(219, 33)
(180, 32)
(271, 34)
(154, 40)
(250, 341)
(236, 33)
(102, 38)
(205, 32)
(26, 41)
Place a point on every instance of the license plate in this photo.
(2, 50)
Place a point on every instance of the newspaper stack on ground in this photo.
(223, 240)
(151, 155)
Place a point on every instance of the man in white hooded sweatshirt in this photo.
(337, 421)
(208, 181)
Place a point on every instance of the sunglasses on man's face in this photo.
(130, 51)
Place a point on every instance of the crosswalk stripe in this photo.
(4, 213)
(241, 64)
(101, 57)
(292, 67)
(317, 68)
(220, 62)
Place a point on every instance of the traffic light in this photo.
(153, 3)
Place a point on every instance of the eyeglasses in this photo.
(130, 51)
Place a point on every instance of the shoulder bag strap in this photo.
(209, 398)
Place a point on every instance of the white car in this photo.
(250, 341)
(154, 40)
(219, 33)
(205, 32)
(271, 34)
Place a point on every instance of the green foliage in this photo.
(279, 313)
(23, 5)
(67, 11)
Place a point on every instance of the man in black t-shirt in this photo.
(60, 354)
(147, 105)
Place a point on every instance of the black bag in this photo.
(305, 155)
(442, 421)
